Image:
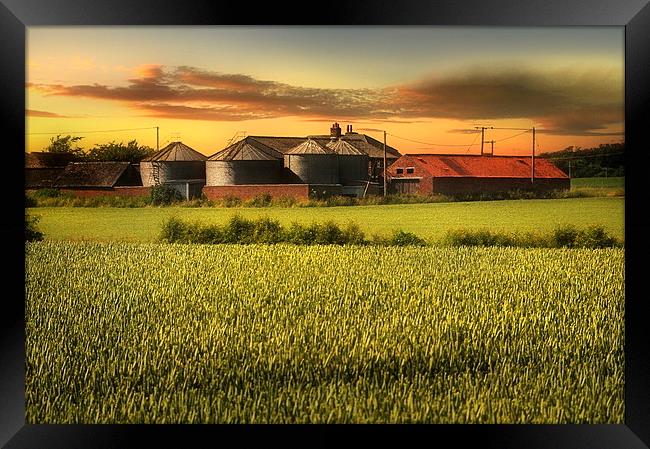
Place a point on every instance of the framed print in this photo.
(386, 222)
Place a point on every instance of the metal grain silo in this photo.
(245, 162)
(353, 163)
(313, 163)
(175, 162)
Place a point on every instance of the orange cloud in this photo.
(565, 103)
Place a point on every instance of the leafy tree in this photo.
(113, 151)
(65, 144)
(607, 159)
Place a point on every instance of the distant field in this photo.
(429, 221)
(589, 183)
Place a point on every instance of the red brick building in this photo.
(465, 174)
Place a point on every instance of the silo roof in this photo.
(344, 148)
(246, 150)
(176, 151)
(310, 147)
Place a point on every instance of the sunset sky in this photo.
(433, 85)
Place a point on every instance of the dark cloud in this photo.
(563, 102)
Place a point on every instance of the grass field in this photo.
(598, 183)
(429, 221)
(142, 333)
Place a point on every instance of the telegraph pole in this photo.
(491, 142)
(482, 128)
(532, 166)
(157, 138)
(385, 168)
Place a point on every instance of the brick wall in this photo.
(298, 191)
(491, 185)
(115, 191)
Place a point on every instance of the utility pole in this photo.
(569, 169)
(491, 142)
(532, 166)
(385, 168)
(482, 128)
(157, 138)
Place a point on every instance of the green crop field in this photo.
(429, 221)
(142, 333)
(598, 183)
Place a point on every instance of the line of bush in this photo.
(265, 230)
(240, 230)
(567, 236)
(165, 196)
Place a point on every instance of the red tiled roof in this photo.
(464, 166)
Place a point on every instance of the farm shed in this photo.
(42, 168)
(469, 174)
(245, 162)
(313, 163)
(362, 143)
(101, 178)
(367, 145)
(42, 159)
(41, 178)
(98, 175)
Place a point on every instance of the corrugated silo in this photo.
(175, 162)
(245, 162)
(353, 163)
(313, 163)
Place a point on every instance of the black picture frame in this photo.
(634, 15)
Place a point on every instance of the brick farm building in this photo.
(349, 164)
(465, 174)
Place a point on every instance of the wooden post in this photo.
(532, 165)
(385, 168)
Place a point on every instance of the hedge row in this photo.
(567, 236)
(264, 230)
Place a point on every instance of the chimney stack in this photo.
(335, 131)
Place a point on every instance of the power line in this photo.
(88, 132)
(513, 136)
(429, 143)
(470, 145)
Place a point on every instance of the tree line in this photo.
(605, 160)
(110, 151)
